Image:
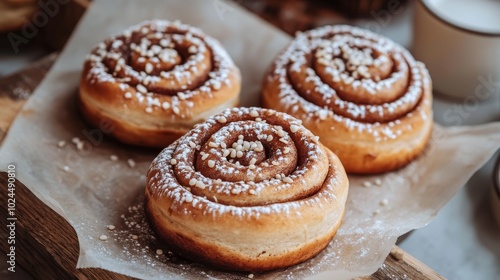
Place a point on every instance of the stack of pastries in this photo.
(253, 189)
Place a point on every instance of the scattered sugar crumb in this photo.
(384, 202)
(80, 145)
(61, 144)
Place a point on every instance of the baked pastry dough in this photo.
(250, 189)
(156, 80)
(364, 95)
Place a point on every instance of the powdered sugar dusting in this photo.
(351, 76)
(164, 60)
(246, 166)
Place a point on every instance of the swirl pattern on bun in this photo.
(155, 80)
(250, 189)
(364, 95)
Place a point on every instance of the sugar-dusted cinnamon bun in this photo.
(364, 95)
(156, 80)
(250, 189)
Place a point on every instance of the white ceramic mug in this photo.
(459, 41)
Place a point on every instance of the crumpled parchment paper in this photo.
(92, 191)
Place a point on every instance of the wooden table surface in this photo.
(47, 246)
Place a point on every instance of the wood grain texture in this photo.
(47, 246)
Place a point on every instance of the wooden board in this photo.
(46, 244)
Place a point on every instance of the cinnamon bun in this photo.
(250, 189)
(364, 95)
(156, 80)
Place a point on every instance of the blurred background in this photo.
(461, 243)
(31, 29)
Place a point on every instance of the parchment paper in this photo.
(92, 191)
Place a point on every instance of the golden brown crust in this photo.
(127, 132)
(222, 258)
(156, 80)
(246, 225)
(363, 95)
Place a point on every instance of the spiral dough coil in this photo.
(364, 95)
(156, 80)
(250, 189)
